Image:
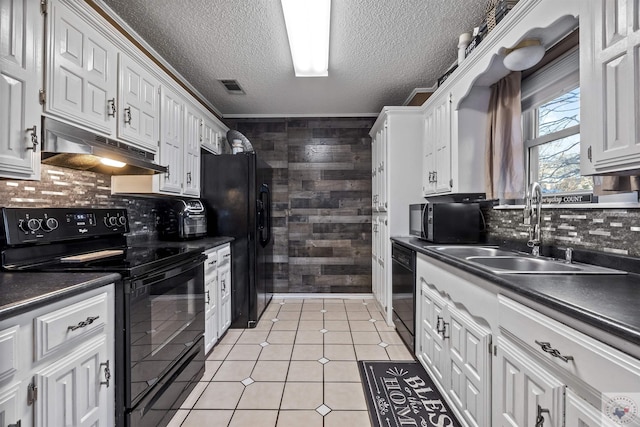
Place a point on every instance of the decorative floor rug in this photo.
(401, 394)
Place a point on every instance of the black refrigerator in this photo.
(236, 190)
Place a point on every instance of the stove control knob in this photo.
(113, 221)
(50, 224)
(29, 225)
(122, 220)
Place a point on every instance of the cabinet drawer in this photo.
(9, 352)
(224, 255)
(211, 262)
(69, 325)
(602, 367)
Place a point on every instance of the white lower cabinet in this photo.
(381, 263)
(224, 280)
(498, 362)
(217, 288)
(580, 413)
(454, 346)
(211, 300)
(70, 385)
(528, 393)
(543, 362)
(73, 391)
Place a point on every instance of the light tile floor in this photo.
(296, 368)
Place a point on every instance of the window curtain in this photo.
(504, 166)
(603, 185)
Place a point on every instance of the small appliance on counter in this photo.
(182, 220)
(446, 222)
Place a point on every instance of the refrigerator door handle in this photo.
(264, 214)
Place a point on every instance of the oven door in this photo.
(164, 319)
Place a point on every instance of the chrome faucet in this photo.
(532, 217)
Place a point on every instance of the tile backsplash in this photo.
(606, 230)
(61, 187)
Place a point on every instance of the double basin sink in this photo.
(502, 261)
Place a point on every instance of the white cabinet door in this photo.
(443, 146)
(138, 105)
(224, 284)
(375, 259)
(171, 137)
(191, 151)
(526, 391)
(437, 142)
(212, 136)
(14, 410)
(74, 390)
(211, 301)
(429, 153)
(434, 330)
(20, 80)
(82, 71)
(580, 413)
(383, 183)
(470, 367)
(610, 86)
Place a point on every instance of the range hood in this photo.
(71, 147)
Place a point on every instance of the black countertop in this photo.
(609, 303)
(21, 292)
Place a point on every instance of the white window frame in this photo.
(546, 84)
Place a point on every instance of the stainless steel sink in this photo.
(503, 261)
(467, 251)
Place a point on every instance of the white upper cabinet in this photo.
(82, 71)
(610, 86)
(138, 104)
(171, 139)
(191, 152)
(213, 135)
(21, 37)
(436, 171)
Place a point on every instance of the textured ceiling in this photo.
(380, 50)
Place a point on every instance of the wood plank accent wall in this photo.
(322, 200)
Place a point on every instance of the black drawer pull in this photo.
(546, 347)
(540, 418)
(84, 323)
(107, 373)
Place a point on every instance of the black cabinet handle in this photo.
(540, 418)
(34, 137)
(546, 347)
(127, 115)
(107, 373)
(83, 324)
(112, 107)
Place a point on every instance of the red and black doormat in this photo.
(401, 394)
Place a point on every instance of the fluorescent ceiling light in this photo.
(308, 31)
(111, 162)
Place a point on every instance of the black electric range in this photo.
(159, 307)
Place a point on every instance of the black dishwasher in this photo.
(404, 292)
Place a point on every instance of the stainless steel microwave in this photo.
(445, 222)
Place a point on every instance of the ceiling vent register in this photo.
(232, 86)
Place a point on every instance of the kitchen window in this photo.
(551, 127)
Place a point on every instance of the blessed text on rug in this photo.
(401, 394)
